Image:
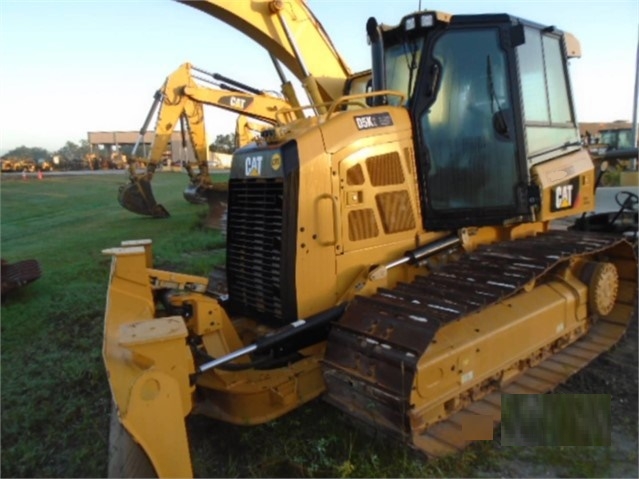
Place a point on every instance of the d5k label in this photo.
(377, 120)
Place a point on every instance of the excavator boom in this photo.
(289, 31)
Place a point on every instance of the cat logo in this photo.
(253, 166)
(236, 102)
(565, 196)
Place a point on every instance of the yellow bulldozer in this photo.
(395, 257)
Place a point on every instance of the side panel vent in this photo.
(385, 169)
(362, 225)
(355, 175)
(395, 211)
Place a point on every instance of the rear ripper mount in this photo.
(423, 359)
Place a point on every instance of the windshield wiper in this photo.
(411, 64)
(499, 119)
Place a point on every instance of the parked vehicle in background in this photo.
(44, 165)
(7, 165)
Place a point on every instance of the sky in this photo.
(69, 67)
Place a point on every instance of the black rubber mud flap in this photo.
(20, 273)
(138, 198)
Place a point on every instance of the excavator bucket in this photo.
(137, 197)
(196, 194)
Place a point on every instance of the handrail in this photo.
(359, 96)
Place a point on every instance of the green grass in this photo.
(55, 396)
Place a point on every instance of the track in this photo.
(371, 364)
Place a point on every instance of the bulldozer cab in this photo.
(489, 96)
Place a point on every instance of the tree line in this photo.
(79, 150)
(70, 151)
(35, 157)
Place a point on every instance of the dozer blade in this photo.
(216, 196)
(138, 198)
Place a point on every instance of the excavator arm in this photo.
(181, 100)
(290, 32)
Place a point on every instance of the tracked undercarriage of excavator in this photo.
(411, 235)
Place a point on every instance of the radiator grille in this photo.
(255, 264)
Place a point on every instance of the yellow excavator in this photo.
(181, 100)
(396, 257)
(293, 37)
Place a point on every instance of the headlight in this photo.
(426, 21)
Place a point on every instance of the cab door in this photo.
(472, 172)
